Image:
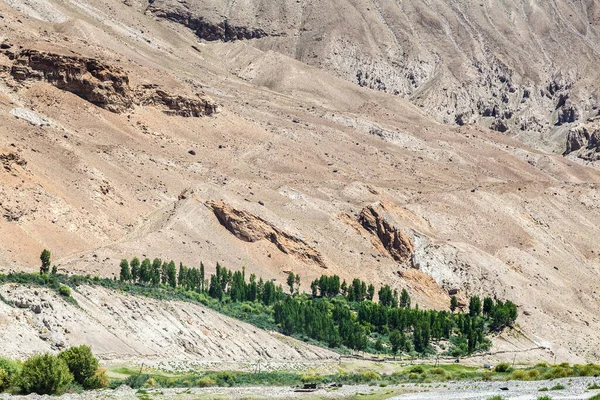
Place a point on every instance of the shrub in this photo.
(495, 398)
(4, 380)
(532, 374)
(371, 376)
(593, 386)
(98, 380)
(45, 374)
(82, 364)
(10, 371)
(64, 291)
(544, 398)
(518, 375)
(558, 386)
(417, 369)
(225, 378)
(311, 378)
(205, 381)
(595, 397)
(502, 367)
(137, 381)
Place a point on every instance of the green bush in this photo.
(98, 380)
(82, 364)
(371, 376)
(532, 375)
(595, 397)
(558, 386)
(518, 375)
(137, 381)
(225, 378)
(64, 291)
(502, 367)
(544, 398)
(311, 378)
(205, 382)
(495, 398)
(417, 369)
(45, 374)
(10, 371)
(4, 380)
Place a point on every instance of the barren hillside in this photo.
(125, 135)
(123, 328)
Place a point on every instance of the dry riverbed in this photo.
(574, 388)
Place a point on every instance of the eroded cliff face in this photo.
(250, 228)
(583, 141)
(97, 82)
(396, 243)
(104, 85)
(527, 69)
(120, 328)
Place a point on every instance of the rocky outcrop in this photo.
(250, 228)
(584, 142)
(9, 159)
(397, 244)
(175, 104)
(209, 31)
(101, 84)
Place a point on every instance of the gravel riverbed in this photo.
(574, 388)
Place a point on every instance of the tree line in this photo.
(335, 313)
(338, 313)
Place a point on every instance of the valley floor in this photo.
(574, 388)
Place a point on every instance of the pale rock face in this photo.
(489, 63)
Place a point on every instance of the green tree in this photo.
(395, 341)
(453, 303)
(155, 274)
(475, 306)
(145, 271)
(125, 274)
(82, 364)
(370, 292)
(135, 269)
(172, 274)
(181, 277)
(297, 283)
(290, 282)
(45, 374)
(45, 258)
(488, 306)
(404, 299)
(202, 284)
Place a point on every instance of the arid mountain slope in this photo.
(278, 173)
(528, 67)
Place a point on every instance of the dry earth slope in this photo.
(124, 134)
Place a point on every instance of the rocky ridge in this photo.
(525, 69)
(250, 228)
(106, 86)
